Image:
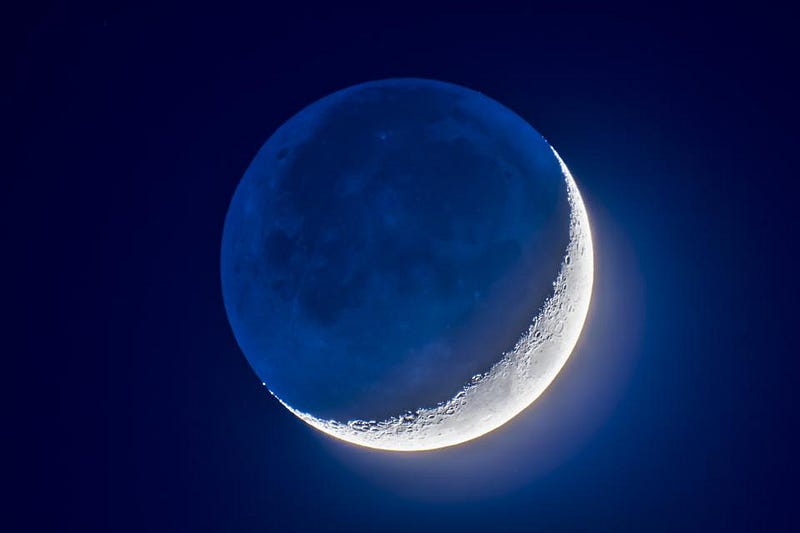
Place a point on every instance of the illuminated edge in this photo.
(493, 398)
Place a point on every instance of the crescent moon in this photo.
(493, 398)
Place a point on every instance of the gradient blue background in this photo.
(132, 124)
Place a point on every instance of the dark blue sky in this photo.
(131, 126)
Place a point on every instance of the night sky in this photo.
(130, 406)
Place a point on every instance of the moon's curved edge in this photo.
(493, 398)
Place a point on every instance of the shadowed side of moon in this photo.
(388, 243)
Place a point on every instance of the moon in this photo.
(385, 243)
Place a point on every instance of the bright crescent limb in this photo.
(512, 384)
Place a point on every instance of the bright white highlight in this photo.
(512, 384)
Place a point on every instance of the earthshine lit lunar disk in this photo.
(493, 398)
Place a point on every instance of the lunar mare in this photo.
(521, 375)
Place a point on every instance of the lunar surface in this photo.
(406, 264)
